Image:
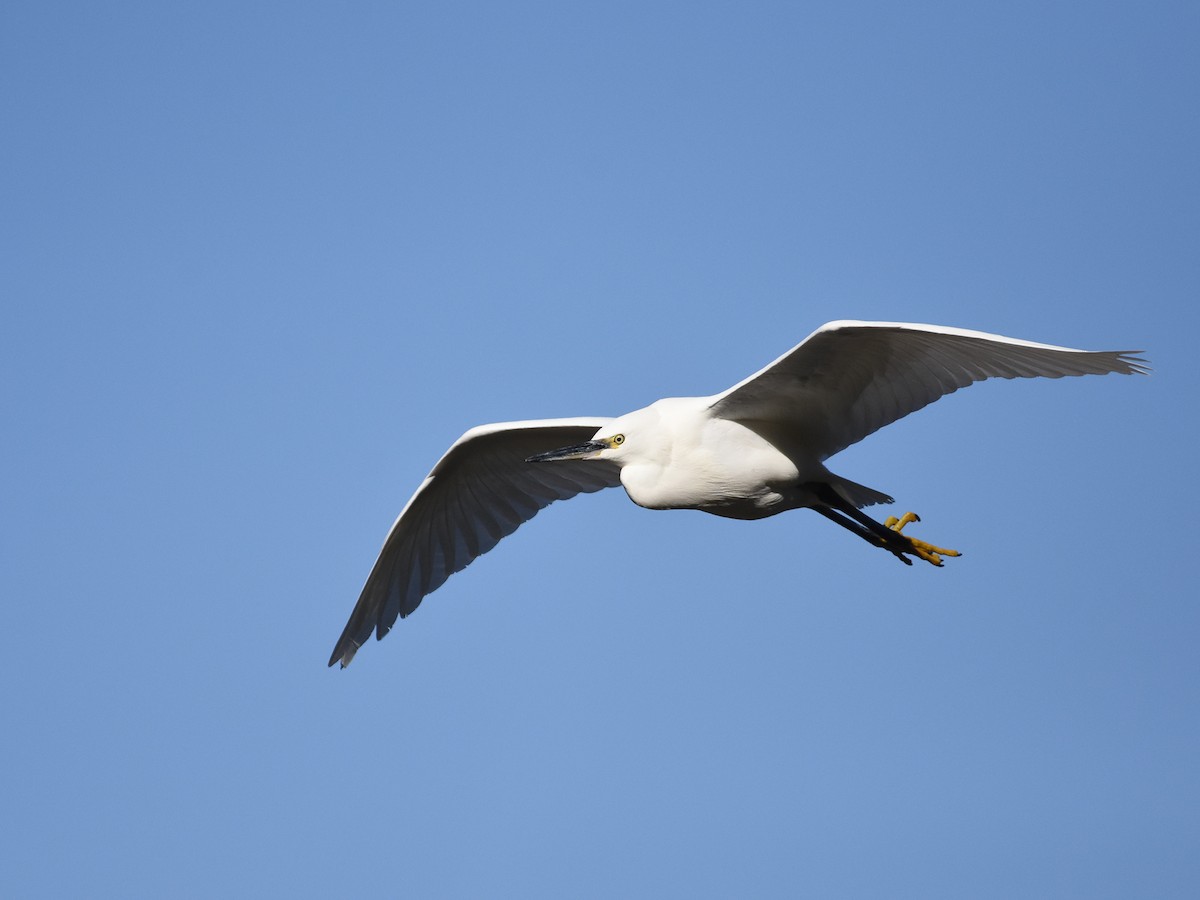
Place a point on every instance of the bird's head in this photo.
(608, 444)
(626, 439)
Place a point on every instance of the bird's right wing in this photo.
(479, 492)
(849, 379)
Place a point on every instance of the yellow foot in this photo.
(927, 552)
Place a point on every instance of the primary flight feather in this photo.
(752, 451)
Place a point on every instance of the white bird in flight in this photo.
(752, 451)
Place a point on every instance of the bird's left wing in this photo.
(479, 492)
(849, 379)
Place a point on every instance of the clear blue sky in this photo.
(262, 263)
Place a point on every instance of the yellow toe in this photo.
(929, 552)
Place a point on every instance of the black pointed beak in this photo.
(579, 451)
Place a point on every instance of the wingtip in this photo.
(344, 655)
(1136, 363)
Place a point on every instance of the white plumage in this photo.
(754, 450)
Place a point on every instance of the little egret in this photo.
(752, 451)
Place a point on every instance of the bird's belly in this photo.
(720, 500)
(760, 506)
(754, 483)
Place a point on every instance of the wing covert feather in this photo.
(849, 379)
(479, 492)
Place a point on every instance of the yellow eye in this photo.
(618, 440)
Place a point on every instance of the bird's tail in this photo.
(858, 494)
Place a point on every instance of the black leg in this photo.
(833, 506)
(833, 499)
(866, 534)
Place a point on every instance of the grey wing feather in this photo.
(849, 379)
(478, 493)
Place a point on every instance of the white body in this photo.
(692, 460)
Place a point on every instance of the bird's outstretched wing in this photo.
(849, 379)
(479, 492)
